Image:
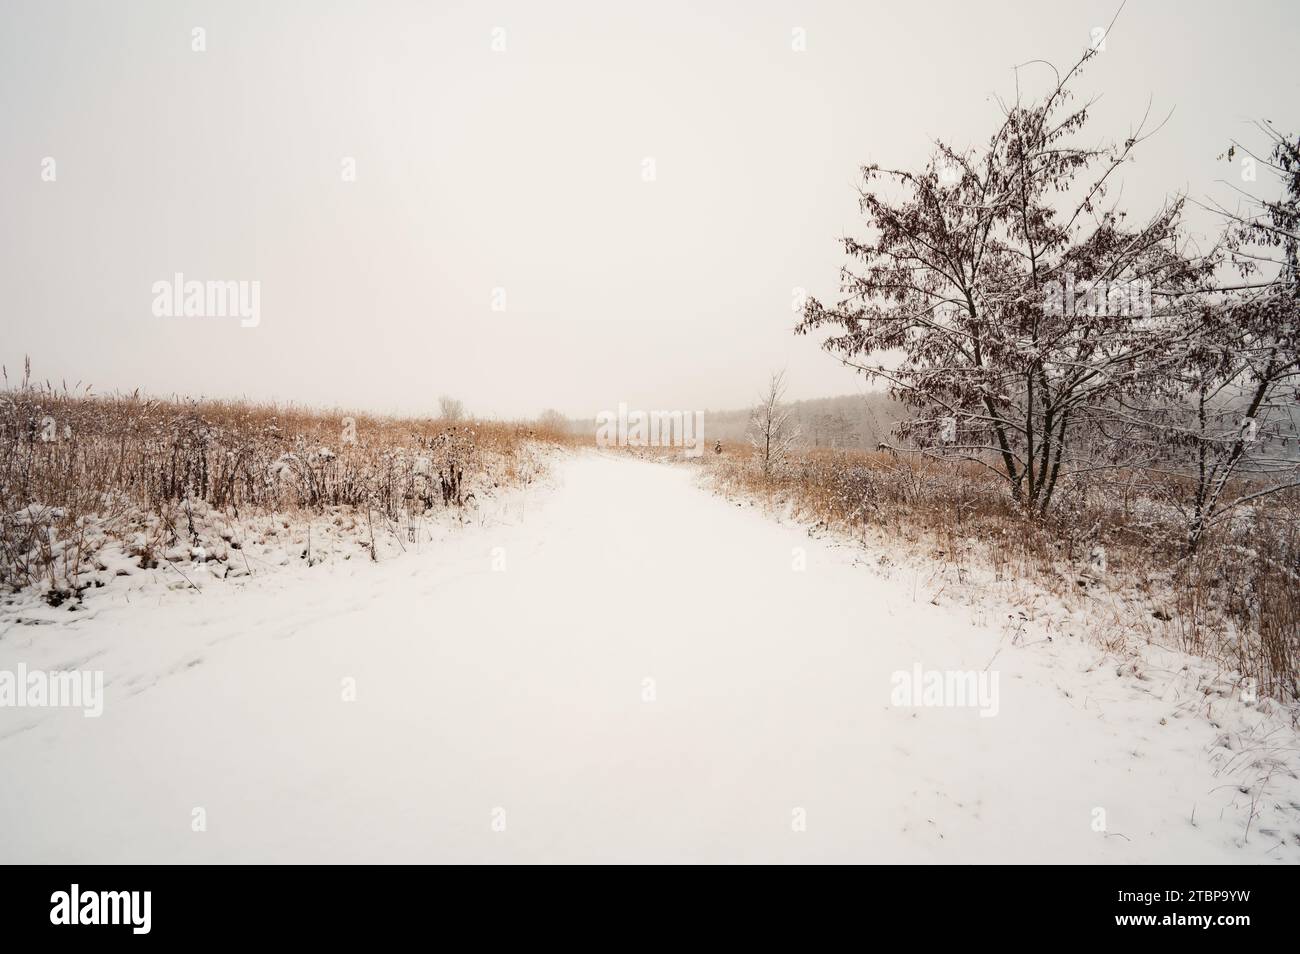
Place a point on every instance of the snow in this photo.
(618, 667)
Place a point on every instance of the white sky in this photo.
(522, 170)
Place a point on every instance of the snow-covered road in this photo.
(629, 669)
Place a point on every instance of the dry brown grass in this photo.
(73, 465)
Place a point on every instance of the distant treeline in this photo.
(850, 422)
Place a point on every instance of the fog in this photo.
(527, 205)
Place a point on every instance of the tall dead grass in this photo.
(75, 467)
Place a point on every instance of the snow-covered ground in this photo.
(620, 668)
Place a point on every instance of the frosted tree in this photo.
(1004, 302)
(450, 409)
(772, 428)
(1244, 372)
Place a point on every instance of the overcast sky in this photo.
(523, 170)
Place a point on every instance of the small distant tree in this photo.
(451, 409)
(772, 428)
(553, 420)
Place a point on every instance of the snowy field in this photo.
(620, 667)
